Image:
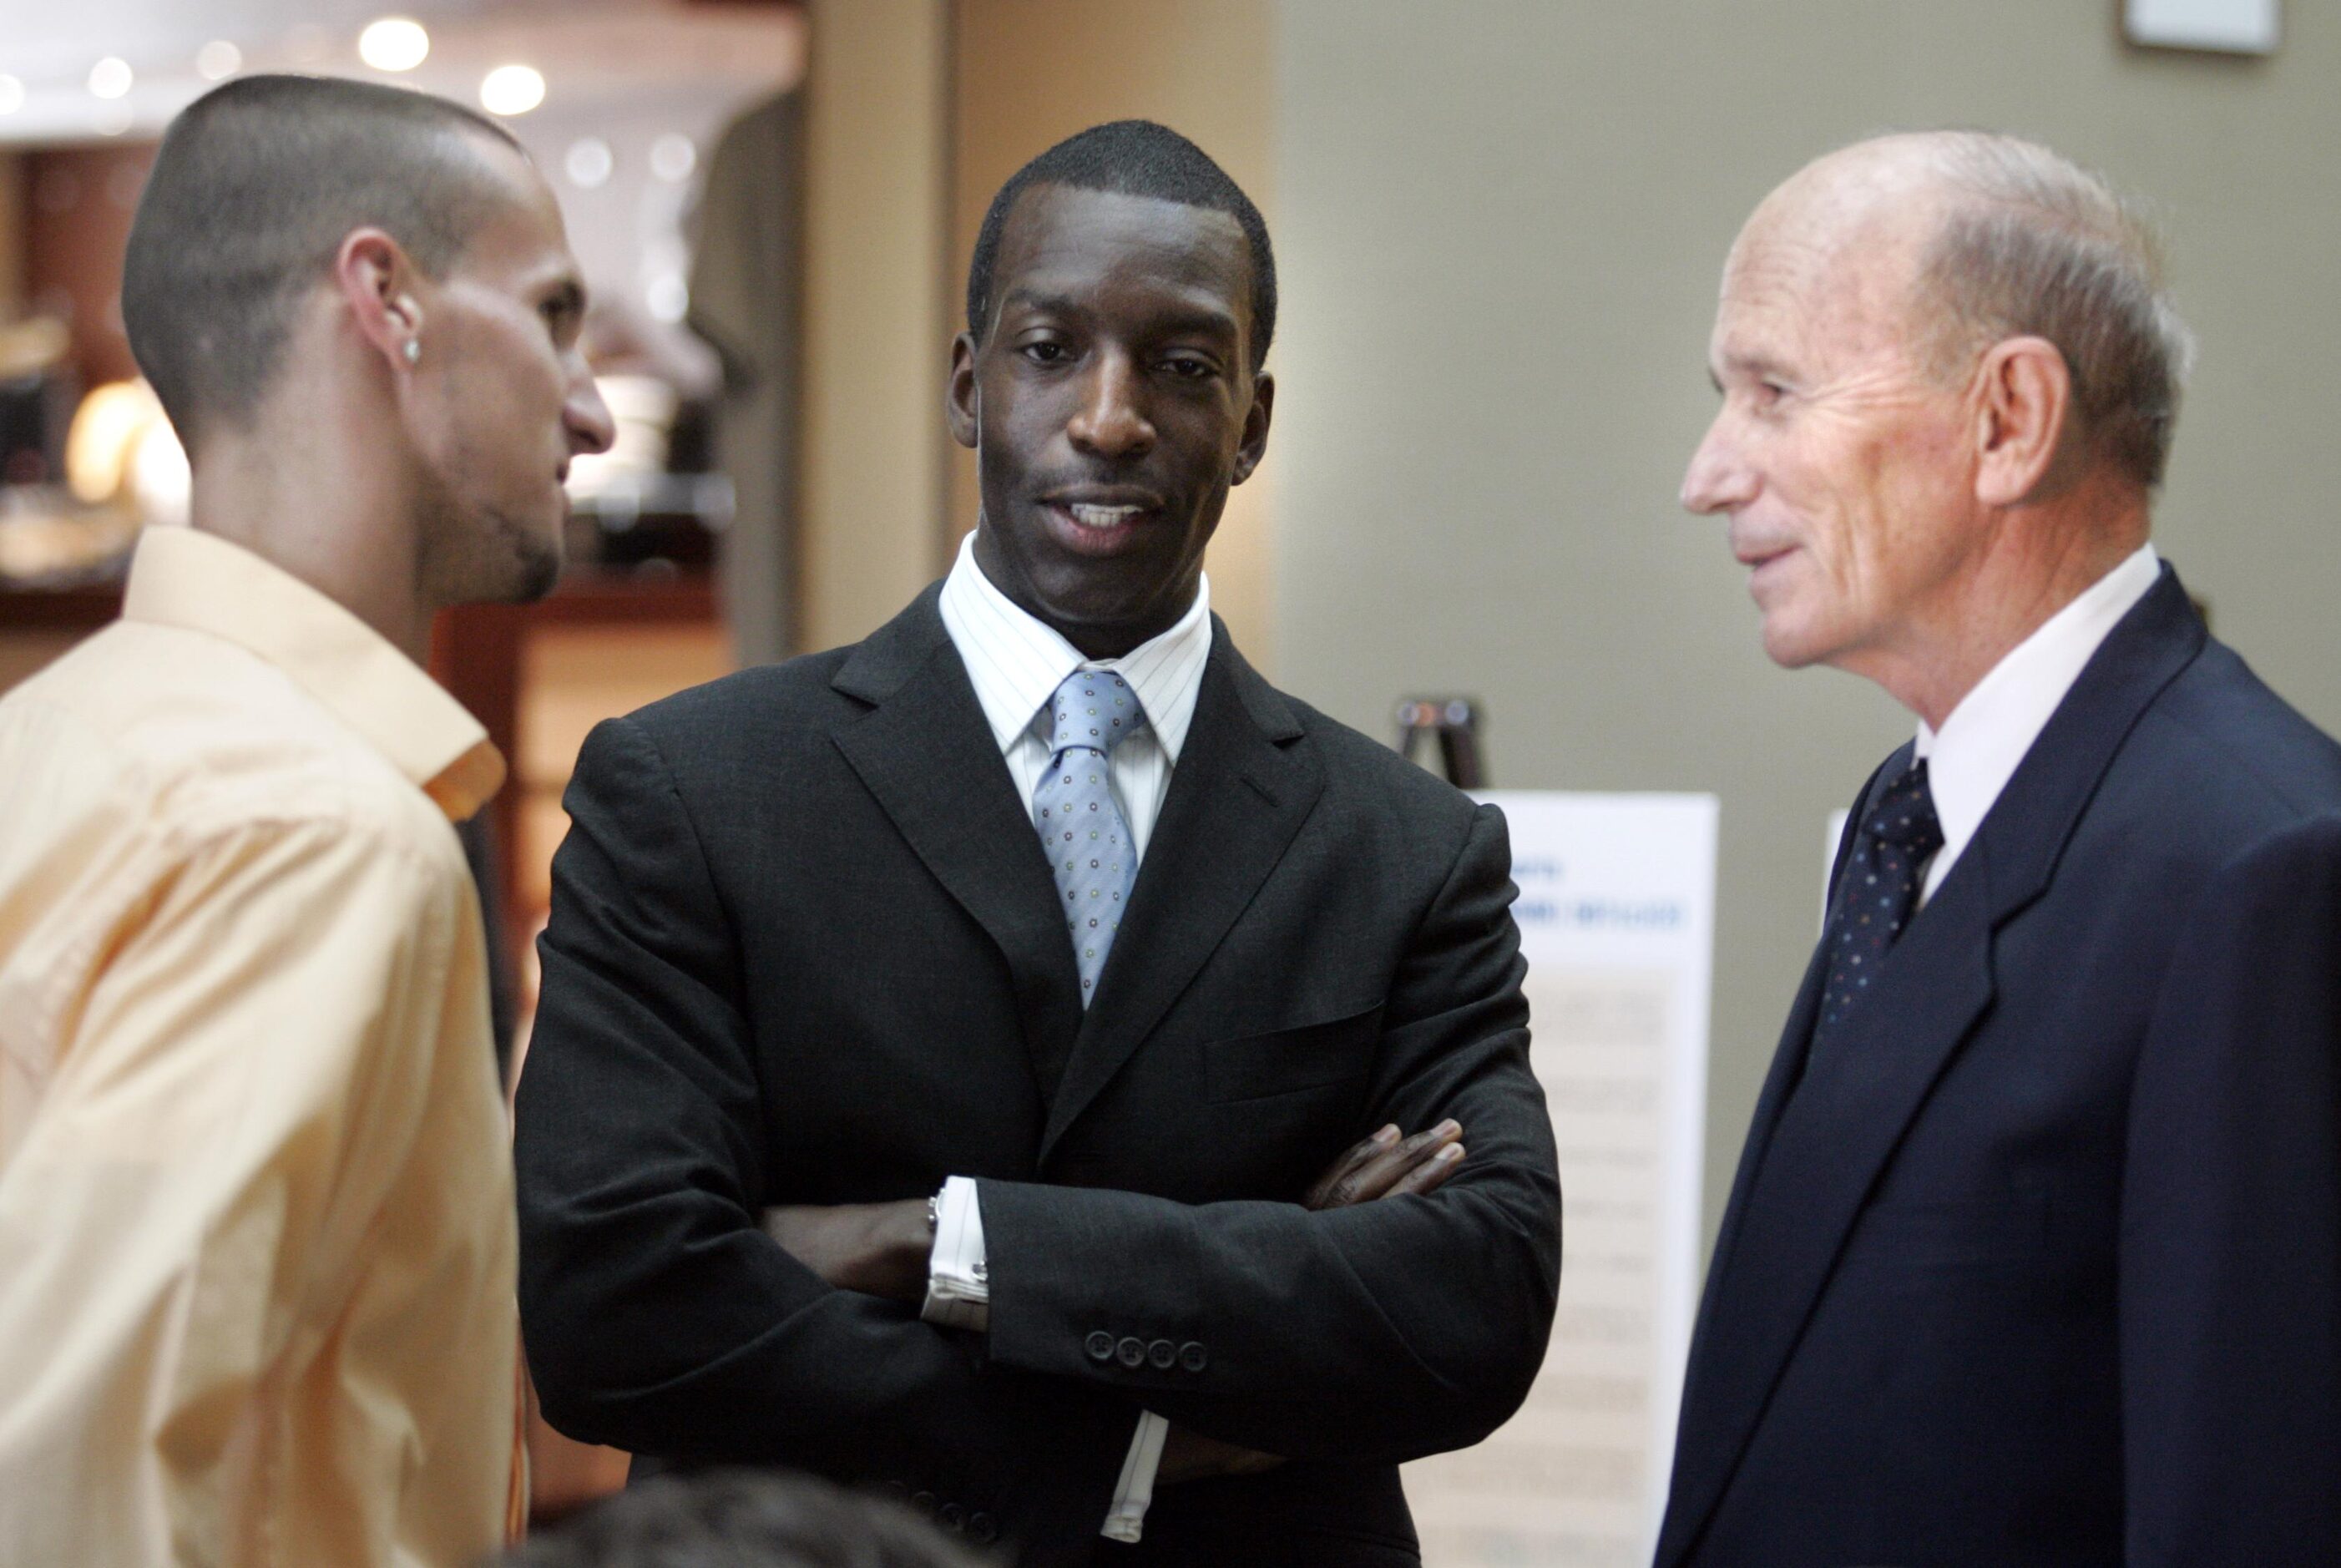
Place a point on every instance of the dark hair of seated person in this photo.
(739, 1519)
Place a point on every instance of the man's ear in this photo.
(382, 288)
(1255, 445)
(963, 399)
(2023, 414)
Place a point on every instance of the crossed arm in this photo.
(884, 1250)
(662, 1316)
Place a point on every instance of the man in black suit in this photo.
(2034, 1255)
(842, 939)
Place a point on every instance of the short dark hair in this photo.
(256, 185)
(1132, 158)
(739, 1519)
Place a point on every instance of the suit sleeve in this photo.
(658, 1316)
(1378, 1332)
(2231, 1226)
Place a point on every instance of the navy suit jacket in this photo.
(2041, 1262)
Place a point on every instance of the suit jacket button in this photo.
(982, 1528)
(951, 1516)
(925, 1501)
(1101, 1346)
(1131, 1353)
(1193, 1356)
(1163, 1354)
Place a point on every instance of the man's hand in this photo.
(1386, 1165)
(878, 1249)
(882, 1250)
(1382, 1166)
(1190, 1456)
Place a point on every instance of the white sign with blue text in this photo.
(1616, 918)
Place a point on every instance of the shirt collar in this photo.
(199, 582)
(1971, 758)
(1016, 663)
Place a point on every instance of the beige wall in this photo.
(876, 153)
(1500, 226)
(1029, 73)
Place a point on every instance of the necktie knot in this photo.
(1092, 710)
(1903, 814)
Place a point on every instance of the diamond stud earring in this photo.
(413, 351)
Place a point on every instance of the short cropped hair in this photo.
(255, 188)
(2032, 245)
(1132, 158)
(739, 1519)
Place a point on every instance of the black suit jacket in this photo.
(805, 949)
(2040, 1262)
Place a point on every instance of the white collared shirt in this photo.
(1016, 663)
(1971, 758)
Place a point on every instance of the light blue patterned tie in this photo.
(1081, 827)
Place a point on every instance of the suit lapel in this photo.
(1789, 1061)
(1797, 1196)
(1243, 784)
(926, 753)
(1823, 1136)
(1780, 1082)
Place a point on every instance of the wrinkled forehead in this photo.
(1828, 267)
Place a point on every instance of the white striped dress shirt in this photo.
(1016, 663)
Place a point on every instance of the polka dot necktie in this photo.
(1877, 896)
(1080, 825)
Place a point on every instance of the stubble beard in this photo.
(479, 554)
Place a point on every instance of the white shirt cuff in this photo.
(959, 1284)
(958, 1295)
(1126, 1520)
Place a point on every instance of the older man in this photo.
(2035, 1252)
(256, 1240)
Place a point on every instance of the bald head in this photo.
(1952, 241)
(1948, 380)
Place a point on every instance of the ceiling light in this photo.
(512, 90)
(218, 59)
(394, 43)
(589, 163)
(672, 157)
(11, 94)
(110, 77)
